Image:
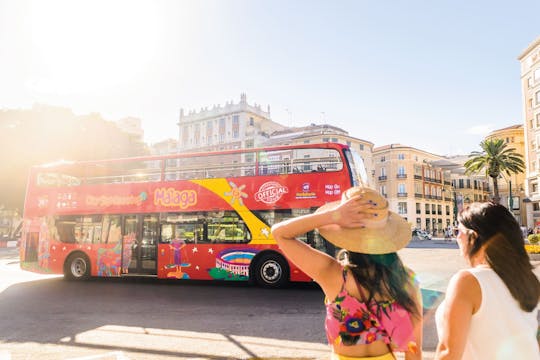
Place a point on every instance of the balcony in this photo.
(401, 176)
(402, 194)
(433, 180)
(418, 195)
(418, 177)
(383, 178)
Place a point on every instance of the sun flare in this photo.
(82, 47)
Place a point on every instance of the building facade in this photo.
(426, 189)
(530, 87)
(512, 188)
(233, 126)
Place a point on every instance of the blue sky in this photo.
(436, 75)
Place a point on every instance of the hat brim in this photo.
(394, 235)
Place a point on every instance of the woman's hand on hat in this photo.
(353, 212)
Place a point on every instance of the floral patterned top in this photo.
(350, 321)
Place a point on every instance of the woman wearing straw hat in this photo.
(490, 309)
(373, 305)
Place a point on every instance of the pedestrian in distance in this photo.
(490, 309)
(373, 303)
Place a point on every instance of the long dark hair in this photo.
(384, 275)
(497, 230)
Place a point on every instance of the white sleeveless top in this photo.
(499, 329)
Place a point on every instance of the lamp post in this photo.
(454, 199)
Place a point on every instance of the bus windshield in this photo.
(358, 169)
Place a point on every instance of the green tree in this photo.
(494, 159)
(47, 134)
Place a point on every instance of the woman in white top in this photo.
(490, 310)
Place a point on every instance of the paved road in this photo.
(44, 317)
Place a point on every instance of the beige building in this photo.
(514, 137)
(233, 126)
(424, 188)
(530, 85)
(168, 146)
(132, 126)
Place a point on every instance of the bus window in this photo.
(110, 229)
(81, 229)
(65, 226)
(188, 227)
(114, 231)
(228, 228)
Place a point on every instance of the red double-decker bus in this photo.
(199, 216)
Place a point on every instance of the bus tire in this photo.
(271, 271)
(77, 267)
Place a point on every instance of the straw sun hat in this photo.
(386, 233)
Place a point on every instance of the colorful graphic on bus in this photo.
(204, 216)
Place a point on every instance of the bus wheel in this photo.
(77, 267)
(272, 270)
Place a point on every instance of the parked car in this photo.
(420, 235)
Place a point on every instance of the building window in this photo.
(382, 190)
(536, 207)
(306, 141)
(402, 208)
(361, 146)
(334, 140)
(401, 170)
(427, 208)
(383, 158)
(418, 209)
(537, 75)
(348, 143)
(326, 139)
(401, 156)
(307, 166)
(251, 121)
(537, 97)
(401, 189)
(383, 171)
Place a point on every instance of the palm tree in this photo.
(495, 158)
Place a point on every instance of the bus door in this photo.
(139, 244)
